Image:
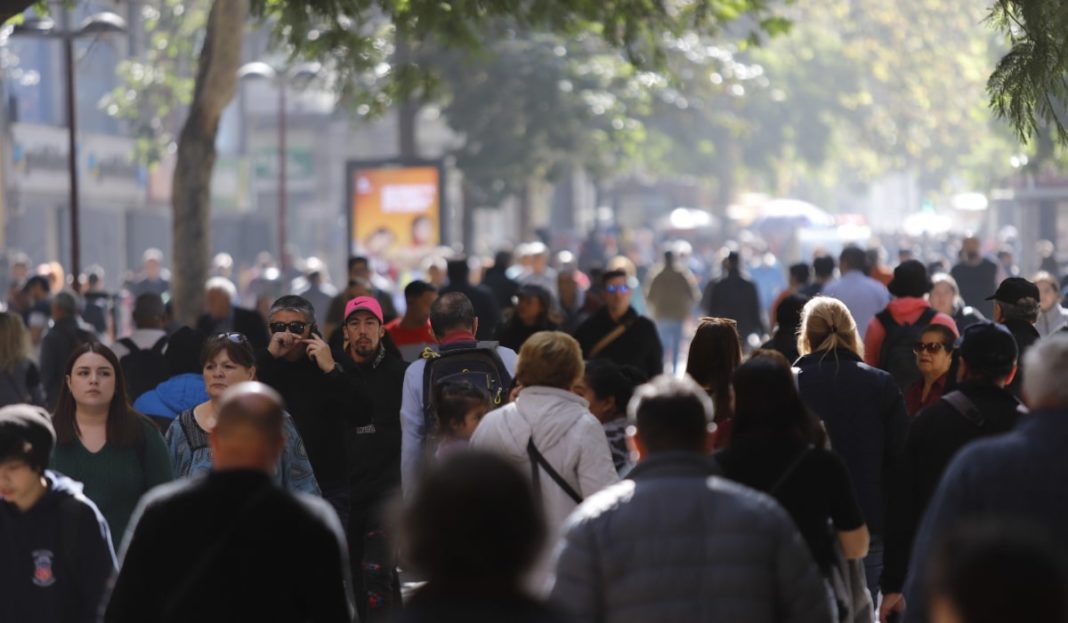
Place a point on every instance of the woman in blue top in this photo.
(227, 360)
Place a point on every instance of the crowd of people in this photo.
(534, 440)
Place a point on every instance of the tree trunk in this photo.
(525, 216)
(467, 219)
(216, 82)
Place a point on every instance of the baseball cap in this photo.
(988, 347)
(1013, 289)
(24, 425)
(363, 303)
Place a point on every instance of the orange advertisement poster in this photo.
(396, 211)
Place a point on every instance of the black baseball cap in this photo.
(988, 347)
(26, 433)
(1013, 289)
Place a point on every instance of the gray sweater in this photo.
(673, 543)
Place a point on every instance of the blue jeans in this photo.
(873, 567)
(670, 338)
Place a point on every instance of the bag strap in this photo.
(536, 459)
(605, 341)
(789, 471)
(130, 345)
(965, 407)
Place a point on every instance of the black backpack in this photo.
(480, 366)
(896, 355)
(144, 369)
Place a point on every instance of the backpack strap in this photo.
(887, 320)
(131, 347)
(160, 344)
(607, 340)
(790, 469)
(965, 407)
(536, 460)
(926, 317)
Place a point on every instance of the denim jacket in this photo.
(192, 457)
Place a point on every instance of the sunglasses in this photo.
(233, 336)
(296, 327)
(614, 289)
(930, 347)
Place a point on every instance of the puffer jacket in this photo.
(673, 543)
(566, 434)
(173, 396)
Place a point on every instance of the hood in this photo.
(60, 488)
(182, 392)
(546, 413)
(906, 305)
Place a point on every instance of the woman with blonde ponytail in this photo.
(861, 408)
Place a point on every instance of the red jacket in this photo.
(905, 310)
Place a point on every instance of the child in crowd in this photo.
(460, 409)
(55, 548)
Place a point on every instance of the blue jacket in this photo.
(173, 396)
(1020, 475)
(864, 414)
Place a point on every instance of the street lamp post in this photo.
(98, 24)
(281, 80)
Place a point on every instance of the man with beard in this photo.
(373, 449)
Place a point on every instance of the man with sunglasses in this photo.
(618, 333)
(299, 365)
(980, 407)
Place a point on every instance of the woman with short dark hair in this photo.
(228, 359)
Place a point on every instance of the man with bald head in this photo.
(232, 546)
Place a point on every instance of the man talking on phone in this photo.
(298, 364)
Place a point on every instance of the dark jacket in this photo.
(935, 435)
(486, 309)
(1026, 335)
(735, 297)
(513, 333)
(245, 321)
(320, 404)
(674, 543)
(784, 342)
(1021, 475)
(56, 558)
(237, 548)
(56, 348)
(373, 439)
(638, 346)
(502, 286)
(476, 608)
(965, 316)
(976, 283)
(864, 414)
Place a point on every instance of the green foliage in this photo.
(1029, 87)
(156, 87)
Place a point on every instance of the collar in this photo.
(627, 315)
(674, 464)
(457, 337)
(838, 353)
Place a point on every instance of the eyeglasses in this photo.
(931, 347)
(623, 289)
(296, 327)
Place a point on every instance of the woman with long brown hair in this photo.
(117, 453)
(20, 380)
(715, 352)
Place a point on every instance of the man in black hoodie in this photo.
(299, 365)
(1016, 307)
(55, 547)
(373, 448)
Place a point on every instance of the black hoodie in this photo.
(56, 558)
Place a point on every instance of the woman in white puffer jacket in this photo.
(558, 422)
